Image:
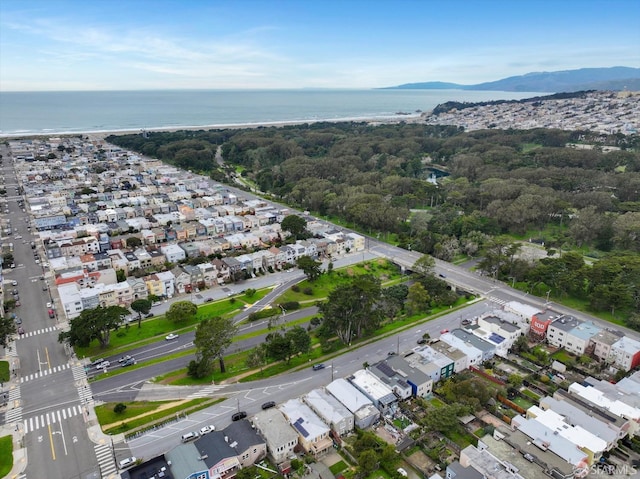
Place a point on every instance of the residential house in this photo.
(280, 437)
(331, 411)
(625, 353)
(365, 413)
(313, 433)
(173, 253)
(559, 329)
(249, 446)
(375, 390)
(579, 337)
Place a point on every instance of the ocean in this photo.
(48, 113)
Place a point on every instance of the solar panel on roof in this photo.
(385, 369)
(403, 383)
(301, 429)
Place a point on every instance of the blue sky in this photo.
(131, 45)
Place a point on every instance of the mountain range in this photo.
(612, 78)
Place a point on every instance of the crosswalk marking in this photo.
(106, 461)
(206, 391)
(29, 334)
(78, 372)
(497, 300)
(54, 417)
(46, 372)
(11, 349)
(13, 415)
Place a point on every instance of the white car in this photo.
(207, 429)
(103, 365)
(127, 463)
(49, 305)
(402, 472)
(171, 336)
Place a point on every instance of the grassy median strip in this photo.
(141, 415)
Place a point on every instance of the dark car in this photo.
(268, 405)
(239, 415)
(317, 367)
(442, 275)
(422, 341)
(128, 362)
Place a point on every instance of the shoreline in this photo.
(404, 118)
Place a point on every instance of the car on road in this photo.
(268, 405)
(14, 283)
(18, 320)
(18, 303)
(444, 331)
(148, 315)
(190, 436)
(171, 336)
(128, 362)
(207, 429)
(97, 361)
(422, 341)
(238, 415)
(103, 365)
(465, 322)
(317, 367)
(442, 275)
(124, 358)
(127, 463)
(402, 472)
(51, 313)
(391, 353)
(49, 305)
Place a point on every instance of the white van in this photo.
(190, 436)
(127, 463)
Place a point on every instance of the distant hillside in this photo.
(613, 78)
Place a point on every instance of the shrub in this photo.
(295, 288)
(308, 291)
(290, 305)
(119, 408)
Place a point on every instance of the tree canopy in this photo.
(181, 311)
(213, 338)
(96, 323)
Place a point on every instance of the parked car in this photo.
(402, 472)
(18, 320)
(149, 315)
(14, 283)
(391, 353)
(190, 436)
(238, 415)
(268, 405)
(51, 313)
(49, 305)
(171, 336)
(127, 463)
(444, 331)
(421, 341)
(207, 429)
(442, 275)
(317, 367)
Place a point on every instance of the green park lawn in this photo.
(6, 455)
(4, 371)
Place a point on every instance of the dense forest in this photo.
(525, 184)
